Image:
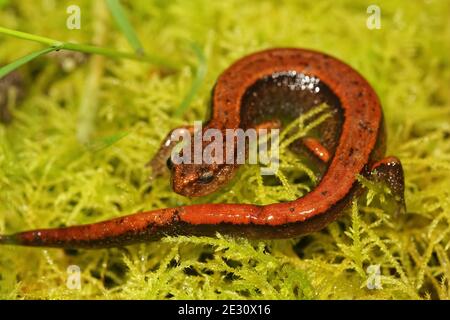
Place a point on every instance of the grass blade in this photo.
(25, 59)
(154, 59)
(196, 84)
(105, 142)
(124, 24)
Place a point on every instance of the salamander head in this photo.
(195, 180)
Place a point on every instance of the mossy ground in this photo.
(122, 110)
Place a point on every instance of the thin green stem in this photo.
(124, 24)
(31, 37)
(21, 61)
(196, 84)
(59, 45)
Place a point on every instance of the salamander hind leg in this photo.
(390, 171)
(317, 149)
(313, 145)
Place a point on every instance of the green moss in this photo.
(123, 108)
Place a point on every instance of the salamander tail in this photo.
(8, 239)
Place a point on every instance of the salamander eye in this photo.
(206, 177)
(169, 163)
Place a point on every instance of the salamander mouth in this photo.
(187, 179)
(195, 189)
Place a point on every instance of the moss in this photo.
(47, 178)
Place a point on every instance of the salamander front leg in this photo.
(390, 171)
(161, 160)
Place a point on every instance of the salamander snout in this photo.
(196, 180)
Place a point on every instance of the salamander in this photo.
(278, 84)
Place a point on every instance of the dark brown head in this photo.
(198, 172)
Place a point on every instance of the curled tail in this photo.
(244, 220)
(135, 228)
(200, 220)
(122, 231)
